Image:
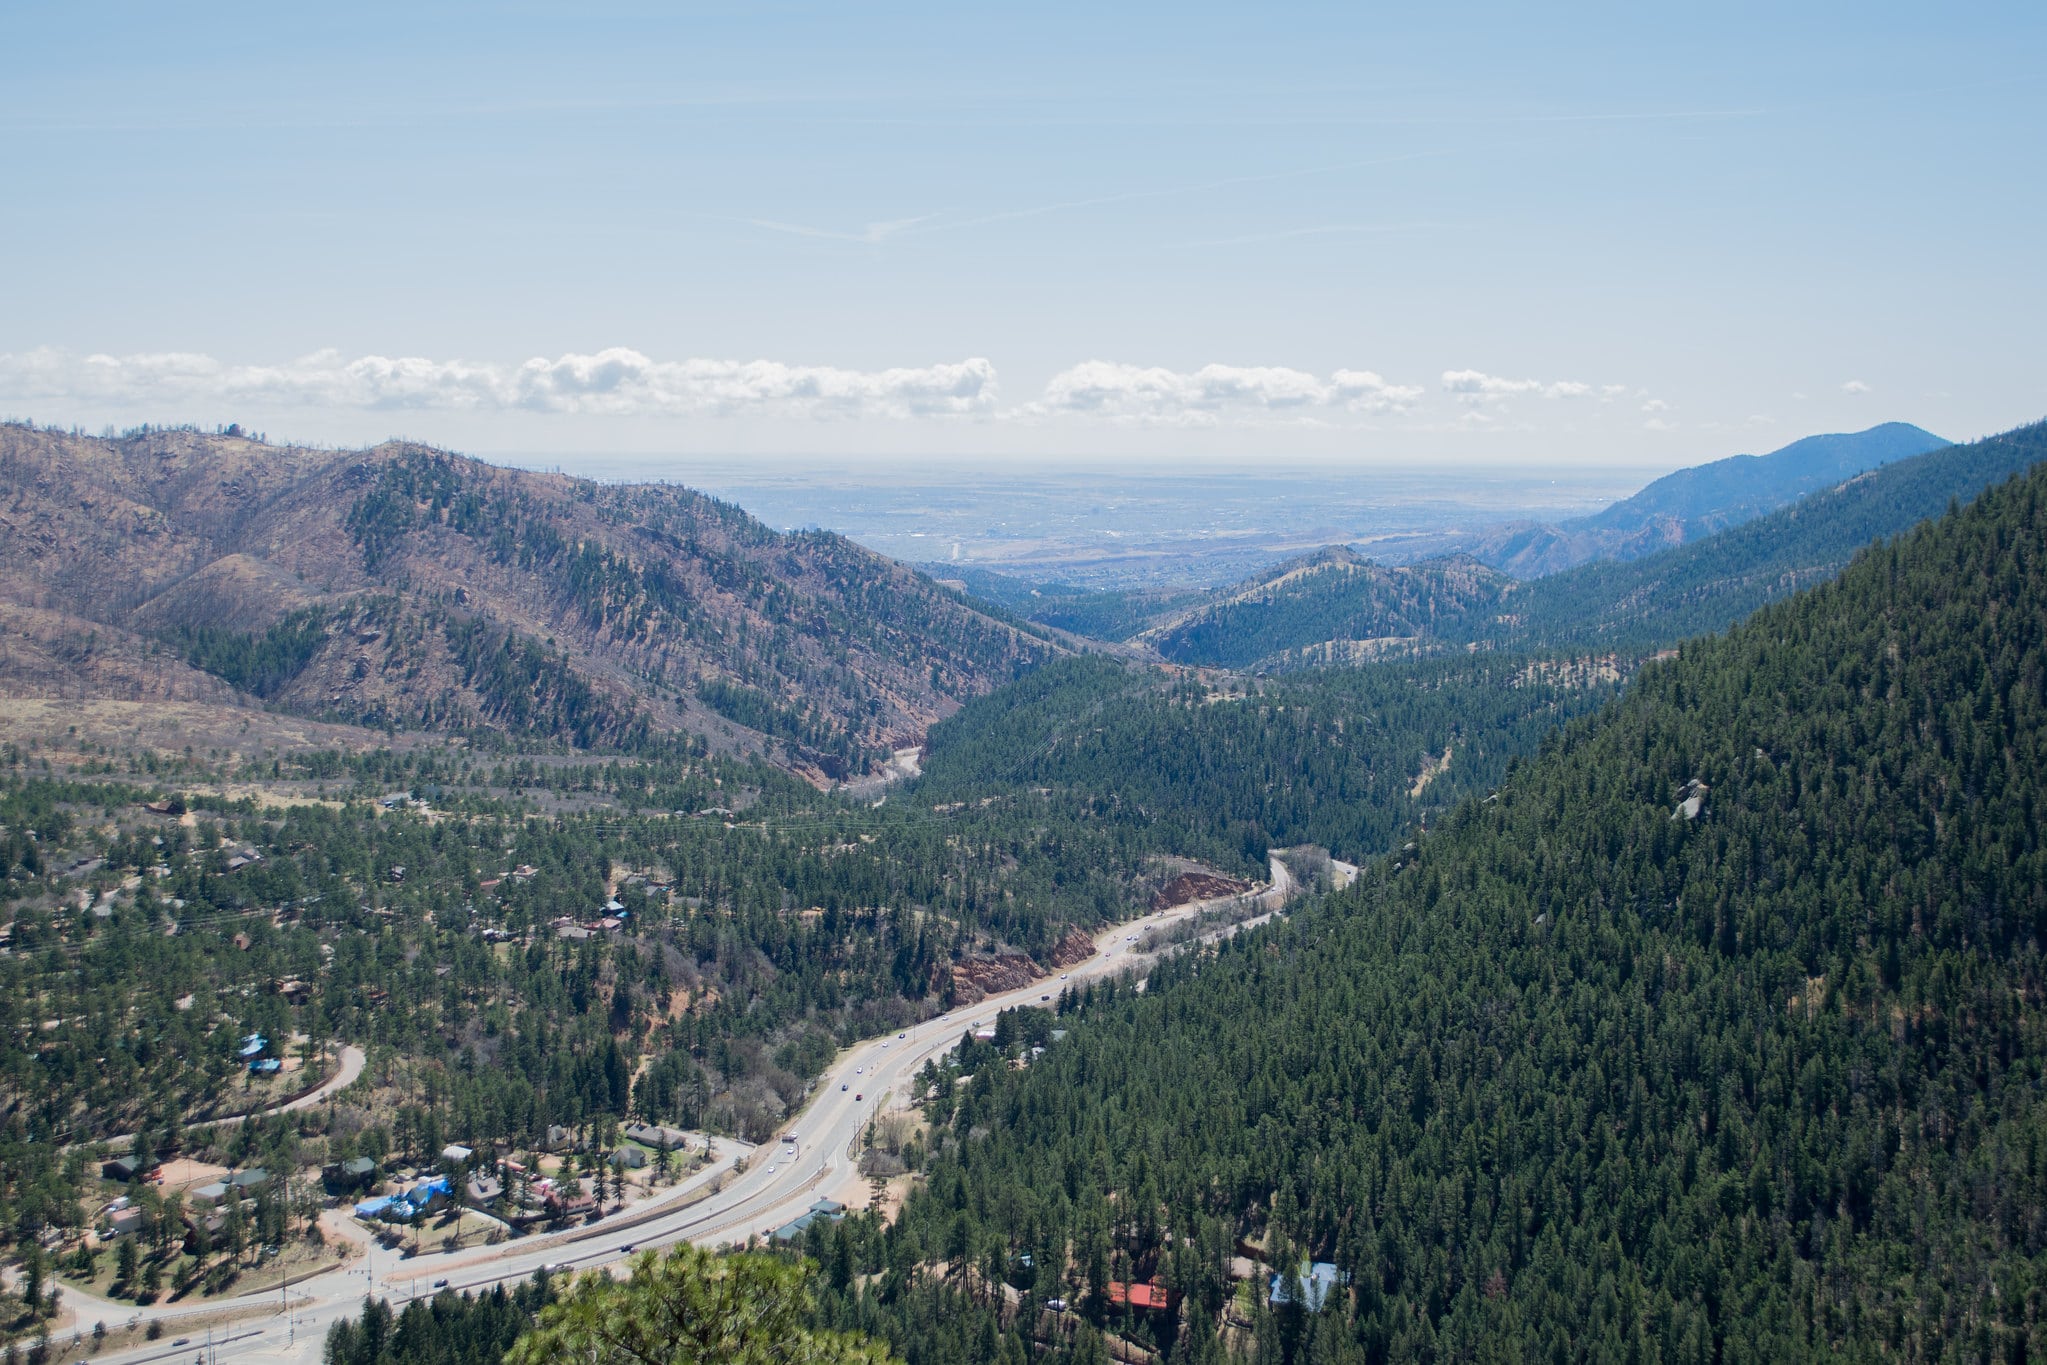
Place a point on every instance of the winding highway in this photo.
(813, 1158)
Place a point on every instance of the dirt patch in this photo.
(1196, 886)
(1431, 770)
(184, 1173)
(168, 727)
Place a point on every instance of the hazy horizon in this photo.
(1494, 236)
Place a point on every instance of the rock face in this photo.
(1196, 886)
(1074, 948)
(407, 585)
(977, 978)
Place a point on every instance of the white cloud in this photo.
(1156, 395)
(1855, 386)
(1656, 405)
(1475, 386)
(616, 382)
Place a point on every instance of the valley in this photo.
(622, 985)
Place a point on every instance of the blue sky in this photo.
(1471, 234)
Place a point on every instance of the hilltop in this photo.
(404, 586)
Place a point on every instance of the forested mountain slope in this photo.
(1690, 504)
(1228, 767)
(1335, 608)
(1334, 594)
(408, 585)
(1712, 497)
(1718, 1034)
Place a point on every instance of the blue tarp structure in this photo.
(253, 1045)
(1318, 1281)
(266, 1066)
(370, 1208)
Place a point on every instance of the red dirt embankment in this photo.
(1196, 886)
(980, 977)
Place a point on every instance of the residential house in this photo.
(1149, 1295)
(122, 1169)
(654, 1134)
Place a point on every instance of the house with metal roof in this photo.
(830, 1209)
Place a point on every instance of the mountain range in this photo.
(1687, 505)
(407, 586)
(1338, 606)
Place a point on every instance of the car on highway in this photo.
(627, 1249)
(859, 1071)
(860, 1097)
(842, 1087)
(440, 1284)
(1044, 997)
(1062, 976)
(902, 1035)
(182, 1341)
(771, 1170)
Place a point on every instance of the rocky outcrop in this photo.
(1196, 886)
(977, 978)
(1076, 947)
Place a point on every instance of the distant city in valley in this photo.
(1145, 528)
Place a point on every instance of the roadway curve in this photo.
(781, 1181)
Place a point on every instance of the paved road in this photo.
(352, 1062)
(781, 1180)
(351, 1067)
